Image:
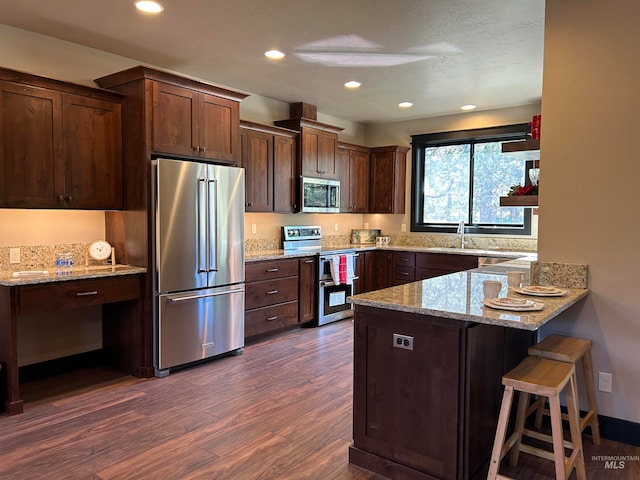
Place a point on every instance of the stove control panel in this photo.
(301, 233)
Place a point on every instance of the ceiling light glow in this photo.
(405, 104)
(149, 6)
(274, 54)
(352, 84)
(468, 107)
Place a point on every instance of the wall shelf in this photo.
(525, 149)
(519, 201)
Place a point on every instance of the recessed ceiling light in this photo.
(468, 107)
(405, 104)
(274, 54)
(352, 84)
(149, 6)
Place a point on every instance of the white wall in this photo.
(589, 169)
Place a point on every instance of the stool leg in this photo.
(523, 404)
(538, 420)
(587, 368)
(498, 442)
(574, 427)
(556, 434)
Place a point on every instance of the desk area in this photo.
(117, 288)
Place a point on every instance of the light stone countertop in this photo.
(459, 296)
(259, 255)
(76, 273)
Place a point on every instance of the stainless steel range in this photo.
(336, 269)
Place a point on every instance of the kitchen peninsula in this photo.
(428, 362)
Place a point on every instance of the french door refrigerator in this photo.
(198, 262)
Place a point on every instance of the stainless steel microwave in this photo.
(319, 195)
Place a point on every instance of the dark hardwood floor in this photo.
(280, 411)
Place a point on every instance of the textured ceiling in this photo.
(438, 54)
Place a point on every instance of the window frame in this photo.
(504, 133)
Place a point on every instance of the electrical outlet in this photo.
(604, 381)
(402, 341)
(336, 227)
(14, 255)
(366, 225)
(403, 227)
(254, 228)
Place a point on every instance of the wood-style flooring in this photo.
(282, 410)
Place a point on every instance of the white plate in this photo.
(540, 291)
(515, 308)
(511, 302)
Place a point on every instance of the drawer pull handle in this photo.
(270, 319)
(404, 273)
(86, 294)
(272, 270)
(309, 261)
(272, 292)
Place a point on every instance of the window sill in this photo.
(519, 201)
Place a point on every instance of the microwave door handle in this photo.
(201, 243)
(212, 245)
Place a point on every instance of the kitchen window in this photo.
(459, 176)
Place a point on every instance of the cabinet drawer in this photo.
(270, 292)
(257, 271)
(405, 259)
(78, 293)
(266, 319)
(446, 261)
(403, 275)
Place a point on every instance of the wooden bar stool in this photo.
(545, 378)
(571, 350)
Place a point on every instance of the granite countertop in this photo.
(459, 296)
(280, 254)
(7, 278)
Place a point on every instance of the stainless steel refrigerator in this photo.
(198, 261)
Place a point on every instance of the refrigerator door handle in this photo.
(197, 297)
(202, 225)
(212, 243)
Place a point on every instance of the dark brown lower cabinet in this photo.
(307, 289)
(429, 412)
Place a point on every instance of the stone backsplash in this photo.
(567, 275)
(414, 240)
(43, 257)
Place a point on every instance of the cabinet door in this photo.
(343, 166)
(307, 290)
(359, 182)
(258, 164)
(92, 132)
(382, 181)
(175, 119)
(389, 379)
(327, 155)
(218, 131)
(318, 153)
(284, 174)
(358, 281)
(378, 270)
(31, 168)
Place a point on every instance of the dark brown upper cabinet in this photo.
(317, 147)
(388, 179)
(353, 173)
(187, 118)
(269, 160)
(61, 144)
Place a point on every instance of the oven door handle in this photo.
(326, 284)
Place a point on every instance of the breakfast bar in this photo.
(428, 361)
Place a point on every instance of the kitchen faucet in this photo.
(461, 232)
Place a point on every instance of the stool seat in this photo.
(561, 348)
(571, 350)
(545, 378)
